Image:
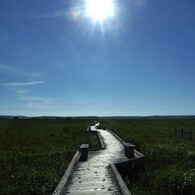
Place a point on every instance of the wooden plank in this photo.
(110, 189)
(93, 193)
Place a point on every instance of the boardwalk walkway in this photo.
(94, 176)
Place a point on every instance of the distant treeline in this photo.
(102, 117)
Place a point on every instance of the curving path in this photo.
(94, 176)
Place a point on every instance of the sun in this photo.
(99, 10)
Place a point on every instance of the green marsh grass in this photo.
(169, 159)
(34, 153)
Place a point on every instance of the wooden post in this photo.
(182, 132)
(84, 152)
(129, 150)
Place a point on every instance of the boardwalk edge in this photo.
(102, 143)
(122, 186)
(123, 142)
(61, 186)
(100, 140)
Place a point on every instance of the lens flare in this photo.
(99, 10)
(96, 15)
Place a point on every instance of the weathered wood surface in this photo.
(94, 176)
(84, 152)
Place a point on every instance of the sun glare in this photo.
(99, 10)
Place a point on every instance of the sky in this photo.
(57, 60)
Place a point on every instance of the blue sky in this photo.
(54, 61)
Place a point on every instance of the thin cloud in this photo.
(15, 84)
(41, 106)
(35, 102)
(36, 99)
(49, 105)
(11, 69)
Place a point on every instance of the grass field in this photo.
(170, 160)
(34, 154)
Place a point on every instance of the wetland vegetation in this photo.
(169, 159)
(34, 153)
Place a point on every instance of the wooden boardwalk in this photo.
(94, 176)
